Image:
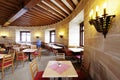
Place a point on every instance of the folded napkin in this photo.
(59, 67)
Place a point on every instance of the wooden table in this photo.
(76, 49)
(54, 46)
(29, 51)
(51, 72)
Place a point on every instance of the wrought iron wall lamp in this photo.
(37, 36)
(61, 36)
(3, 36)
(101, 24)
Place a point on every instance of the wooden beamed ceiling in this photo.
(35, 12)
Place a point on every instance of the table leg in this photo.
(29, 56)
(59, 78)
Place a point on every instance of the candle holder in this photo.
(102, 24)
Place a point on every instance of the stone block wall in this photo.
(103, 53)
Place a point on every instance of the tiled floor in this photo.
(23, 73)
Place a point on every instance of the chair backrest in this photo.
(54, 51)
(33, 47)
(11, 51)
(19, 55)
(60, 56)
(68, 52)
(7, 61)
(33, 68)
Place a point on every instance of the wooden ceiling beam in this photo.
(40, 15)
(5, 7)
(46, 13)
(30, 4)
(28, 21)
(32, 16)
(56, 8)
(71, 3)
(13, 2)
(63, 5)
(35, 18)
(9, 5)
(50, 10)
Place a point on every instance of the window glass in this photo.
(52, 36)
(25, 36)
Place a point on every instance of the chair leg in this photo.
(2, 73)
(39, 57)
(12, 68)
(23, 63)
(16, 64)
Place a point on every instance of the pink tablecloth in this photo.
(59, 69)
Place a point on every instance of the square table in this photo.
(29, 51)
(59, 69)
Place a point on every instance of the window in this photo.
(52, 36)
(25, 36)
(82, 34)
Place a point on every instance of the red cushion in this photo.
(21, 57)
(78, 56)
(5, 64)
(39, 76)
(36, 52)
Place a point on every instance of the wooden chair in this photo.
(79, 57)
(54, 51)
(60, 56)
(7, 61)
(69, 55)
(33, 47)
(11, 51)
(20, 56)
(36, 75)
(37, 54)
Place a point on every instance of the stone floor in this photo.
(23, 72)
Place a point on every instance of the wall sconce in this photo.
(61, 34)
(37, 36)
(101, 24)
(3, 36)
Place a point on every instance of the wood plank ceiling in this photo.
(35, 12)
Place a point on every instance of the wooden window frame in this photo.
(21, 34)
(51, 35)
(81, 34)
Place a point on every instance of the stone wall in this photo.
(10, 31)
(103, 53)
